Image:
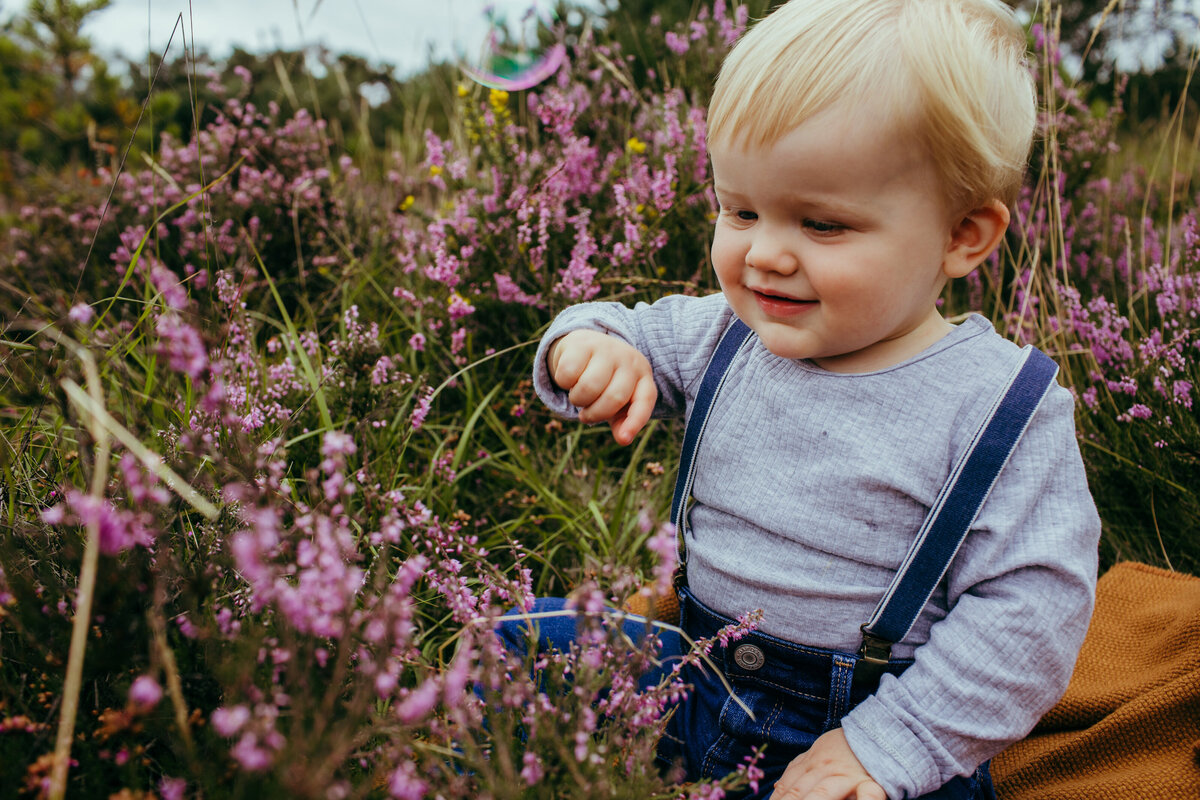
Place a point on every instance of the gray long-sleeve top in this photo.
(811, 485)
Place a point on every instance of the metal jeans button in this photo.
(748, 656)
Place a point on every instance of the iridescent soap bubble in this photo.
(520, 49)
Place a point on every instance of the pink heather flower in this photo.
(417, 342)
(145, 693)
(54, 515)
(81, 313)
(385, 684)
(663, 544)
(186, 627)
(507, 291)
(677, 44)
(708, 791)
(119, 529)
(381, 371)
(337, 443)
(182, 345)
(459, 306)
(143, 487)
(419, 702)
(1182, 391)
(751, 770)
(228, 721)
(1140, 411)
(421, 410)
(404, 783)
(532, 770)
(250, 755)
(172, 788)
(169, 285)
(457, 340)
(455, 682)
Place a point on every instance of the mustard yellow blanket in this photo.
(1129, 725)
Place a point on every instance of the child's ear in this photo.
(974, 238)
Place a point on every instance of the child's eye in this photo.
(820, 226)
(746, 216)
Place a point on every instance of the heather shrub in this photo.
(1101, 271)
(270, 470)
(272, 463)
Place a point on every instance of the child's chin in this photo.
(785, 347)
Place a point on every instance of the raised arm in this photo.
(605, 362)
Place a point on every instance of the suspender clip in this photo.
(873, 658)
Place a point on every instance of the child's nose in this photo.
(770, 252)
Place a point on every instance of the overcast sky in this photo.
(400, 32)
(404, 32)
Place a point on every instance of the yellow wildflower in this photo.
(635, 145)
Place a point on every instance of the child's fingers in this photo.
(569, 366)
(591, 383)
(831, 787)
(836, 787)
(870, 791)
(637, 413)
(645, 396)
(613, 399)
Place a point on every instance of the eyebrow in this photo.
(825, 206)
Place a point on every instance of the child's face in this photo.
(831, 243)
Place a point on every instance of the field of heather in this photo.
(270, 460)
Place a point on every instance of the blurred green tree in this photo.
(54, 27)
(58, 99)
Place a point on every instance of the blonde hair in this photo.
(952, 73)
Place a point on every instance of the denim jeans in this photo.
(794, 693)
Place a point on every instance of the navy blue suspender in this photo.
(735, 336)
(953, 511)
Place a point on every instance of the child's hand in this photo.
(606, 379)
(828, 771)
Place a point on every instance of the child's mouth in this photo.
(781, 305)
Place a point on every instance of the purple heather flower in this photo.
(459, 307)
(421, 409)
(172, 788)
(145, 693)
(676, 44)
(418, 704)
(1140, 411)
(228, 721)
(404, 783)
(531, 770)
(251, 755)
(1182, 393)
(81, 313)
(182, 345)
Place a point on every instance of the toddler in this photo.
(864, 153)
